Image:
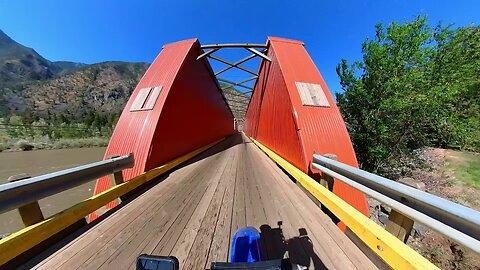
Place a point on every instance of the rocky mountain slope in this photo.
(31, 84)
(103, 87)
(20, 63)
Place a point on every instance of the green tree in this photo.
(415, 86)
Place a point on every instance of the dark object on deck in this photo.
(150, 262)
(283, 264)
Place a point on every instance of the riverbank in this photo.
(44, 144)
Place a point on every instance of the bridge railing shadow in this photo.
(298, 248)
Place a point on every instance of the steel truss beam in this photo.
(232, 64)
(207, 53)
(236, 64)
(234, 45)
(257, 50)
(240, 84)
(260, 54)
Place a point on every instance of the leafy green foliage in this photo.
(415, 86)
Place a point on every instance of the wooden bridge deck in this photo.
(195, 211)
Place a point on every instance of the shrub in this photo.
(24, 145)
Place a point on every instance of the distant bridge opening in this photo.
(237, 92)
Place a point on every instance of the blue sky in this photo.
(94, 31)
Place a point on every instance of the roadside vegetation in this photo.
(23, 132)
(412, 108)
(416, 86)
(465, 167)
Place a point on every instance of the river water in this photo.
(40, 162)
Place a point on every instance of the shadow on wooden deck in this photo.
(299, 248)
(229, 142)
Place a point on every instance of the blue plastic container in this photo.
(246, 246)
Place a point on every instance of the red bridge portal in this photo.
(213, 156)
(179, 106)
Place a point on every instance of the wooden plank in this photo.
(239, 207)
(389, 248)
(136, 211)
(205, 206)
(27, 238)
(299, 247)
(95, 257)
(185, 241)
(30, 213)
(304, 94)
(316, 243)
(255, 213)
(328, 181)
(118, 179)
(140, 99)
(272, 236)
(153, 230)
(312, 94)
(371, 255)
(159, 238)
(273, 202)
(23, 240)
(219, 248)
(331, 239)
(110, 227)
(165, 246)
(113, 225)
(197, 258)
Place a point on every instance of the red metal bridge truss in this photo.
(179, 106)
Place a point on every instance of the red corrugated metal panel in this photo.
(319, 129)
(270, 118)
(190, 112)
(195, 112)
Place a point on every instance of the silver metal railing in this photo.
(459, 223)
(22, 192)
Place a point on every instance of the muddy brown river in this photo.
(40, 162)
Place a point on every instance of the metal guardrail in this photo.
(457, 222)
(65, 222)
(16, 194)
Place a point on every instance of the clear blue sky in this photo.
(94, 31)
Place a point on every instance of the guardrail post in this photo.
(30, 213)
(399, 225)
(327, 180)
(118, 179)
